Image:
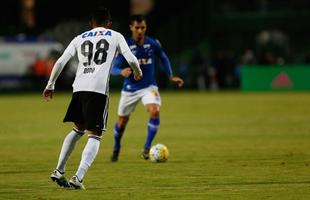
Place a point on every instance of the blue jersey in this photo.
(145, 54)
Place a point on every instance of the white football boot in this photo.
(76, 183)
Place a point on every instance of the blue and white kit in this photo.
(145, 89)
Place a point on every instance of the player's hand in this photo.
(177, 80)
(126, 72)
(48, 94)
(137, 77)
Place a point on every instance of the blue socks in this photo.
(152, 128)
(118, 133)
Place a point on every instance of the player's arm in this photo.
(57, 69)
(134, 64)
(117, 67)
(130, 58)
(167, 66)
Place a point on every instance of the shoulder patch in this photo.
(146, 45)
(132, 47)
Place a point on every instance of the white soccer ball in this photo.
(159, 153)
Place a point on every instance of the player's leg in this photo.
(152, 102)
(69, 142)
(66, 150)
(127, 104)
(152, 128)
(118, 130)
(88, 156)
(95, 112)
(68, 146)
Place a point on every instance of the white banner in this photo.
(17, 58)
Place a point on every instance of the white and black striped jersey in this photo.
(95, 50)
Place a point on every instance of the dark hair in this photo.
(137, 18)
(101, 15)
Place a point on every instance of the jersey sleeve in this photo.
(71, 48)
(131, 59)
(122, 44)
(118, 65)
(60, 63)
(163, 58)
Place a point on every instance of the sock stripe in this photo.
(78, 131)
(153, 126)
(60, 172)
(94, 137)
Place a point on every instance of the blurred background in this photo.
(213, 45)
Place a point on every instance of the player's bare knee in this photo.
(122, 121)
(154, 112)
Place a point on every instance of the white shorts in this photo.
(129, 100)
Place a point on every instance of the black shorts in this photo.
(89, 109)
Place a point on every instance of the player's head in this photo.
(100, 17)
(138, 26)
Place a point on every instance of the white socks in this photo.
(67, 148)
(88, 156)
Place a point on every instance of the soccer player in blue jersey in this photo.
(145, 49)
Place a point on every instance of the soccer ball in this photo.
(159, 153)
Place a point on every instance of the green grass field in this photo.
(225, 145)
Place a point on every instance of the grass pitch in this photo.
(222, 146)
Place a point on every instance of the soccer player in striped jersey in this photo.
(88, 109)
(145, 49)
